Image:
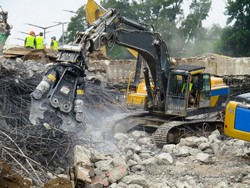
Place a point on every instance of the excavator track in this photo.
(172, 131)
(166, 129)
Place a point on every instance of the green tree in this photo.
(166, 17)
(193, 23)
(77, 23)
(235, 38)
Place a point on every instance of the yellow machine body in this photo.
(217, 88)
(237, 124)
(138, 98)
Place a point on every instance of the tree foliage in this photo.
(77, 23)
(180, 32)
(235, 39)
(167, 18)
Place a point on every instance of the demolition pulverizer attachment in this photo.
(58, 98)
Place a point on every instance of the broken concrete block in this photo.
(136, 179)
(116, 173)
(98, 182)
(82, 173)
(81, 156)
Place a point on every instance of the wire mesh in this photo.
(33, 151)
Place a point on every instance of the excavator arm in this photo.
(61, 90)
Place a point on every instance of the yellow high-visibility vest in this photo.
(39, 42)
(184, 86)
(30, 41)
(55, 45)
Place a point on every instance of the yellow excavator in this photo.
(174, 94)
(237, 124)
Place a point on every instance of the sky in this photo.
(46, 12)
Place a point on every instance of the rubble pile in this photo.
(194, 162)
(45, 55)
(32, 151)
(40, 152)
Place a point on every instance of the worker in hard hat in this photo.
(54, 43)
(40, 41)
(30, 41)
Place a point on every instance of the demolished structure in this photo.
(44, 152)
(54, 135)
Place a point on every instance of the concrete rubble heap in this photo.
(44, 156)
(212, 161)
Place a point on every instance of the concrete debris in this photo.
(203, 157)
(46, 55)
(194, 162)
(134, 161)
(116, 173)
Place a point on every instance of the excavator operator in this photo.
(191, 91)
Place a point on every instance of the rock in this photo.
(192, 141)
(137, 158)
(135, 179)
(134, 186)
(204, 146)
(122, 185)
(97, 182)
(183, 184)
(138, 134)
(116, 173)
(203, 157)
(19, 60)
(149, 161)
(144, 155)
(82, 155)
(119, 160)
(216, 148)
(239, 143)
(145, 141)
(164, 158)
(96, 156)
(133, 147)
(160, 185)
(215, 136)
(113, 185)
(120, 136)
(169, 148)
(136, 168)
(104, 165)
(82, 173)
(129, 155)
(131, 162)
(222, 184)
(181, 151)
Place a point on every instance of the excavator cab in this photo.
(183, 89)
(190, 91)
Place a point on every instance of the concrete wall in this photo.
(117, 71)
(220, 65)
